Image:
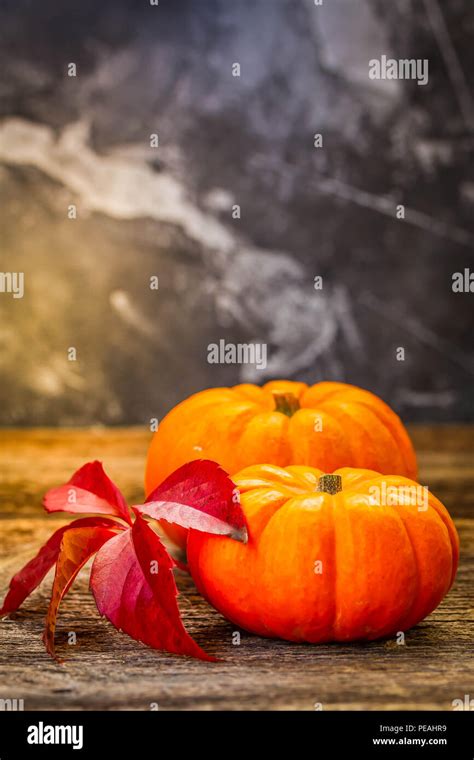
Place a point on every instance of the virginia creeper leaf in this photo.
(30, 576)
(89, 490)
(77, 546)
(198, 495)
(133, 585)
(132, 575)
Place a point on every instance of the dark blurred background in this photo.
(223, 140)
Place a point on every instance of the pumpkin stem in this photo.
(331, 484)
(286, 403)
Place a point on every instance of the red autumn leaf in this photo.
(77, 546)
(90, 490)
(133, 585)
(132, 576)
(30, 576)
(199, 495)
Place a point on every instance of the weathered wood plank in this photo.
(107, 670)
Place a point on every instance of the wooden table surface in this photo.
(107, 670)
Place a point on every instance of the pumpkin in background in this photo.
(325, 559)
(327, 425)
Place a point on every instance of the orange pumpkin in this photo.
(327, 425)
(328, 558)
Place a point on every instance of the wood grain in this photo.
(107, 670)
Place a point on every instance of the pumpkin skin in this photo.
(384, 568)
(327, 425)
